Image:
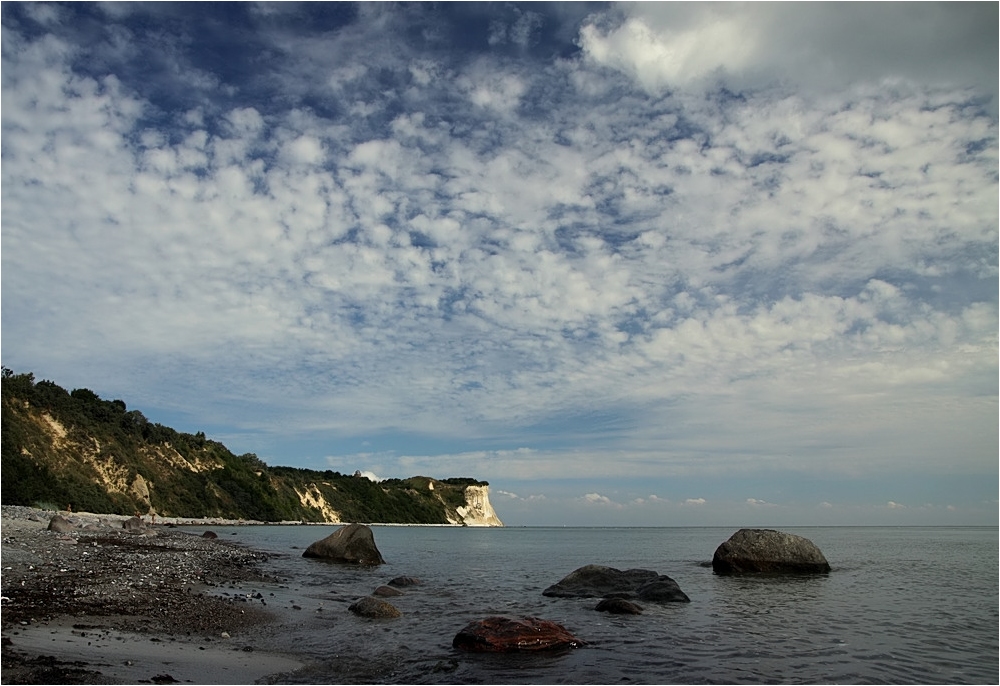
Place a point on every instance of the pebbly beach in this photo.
(95, 602)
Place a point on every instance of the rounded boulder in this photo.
(375, 608)
(353, 544)
(60, 524)
(751, 551)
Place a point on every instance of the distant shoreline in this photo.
(150, 520)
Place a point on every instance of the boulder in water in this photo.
(768, 551)
(507, 634)
(662, 589)
(375, 608)
(598, 581)
(404, 581)
(353, 544)
(618, 606)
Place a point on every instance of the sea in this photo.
(902, 605)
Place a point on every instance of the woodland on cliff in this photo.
(63, 448)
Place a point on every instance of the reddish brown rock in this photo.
(507, 634)
(386, 591)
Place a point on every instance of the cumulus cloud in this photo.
(665, 45)
(597, 498)
(695, 501)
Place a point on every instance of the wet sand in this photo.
(98, 604)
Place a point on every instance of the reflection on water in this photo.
(901, 605)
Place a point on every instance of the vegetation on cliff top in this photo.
(64, 448)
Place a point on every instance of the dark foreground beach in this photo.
(99, 604)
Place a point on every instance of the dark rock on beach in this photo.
(134, 525)
(210, 535)
(768, 551)
(507, 634)
(375, 608)
(60, 525)
(618, 606)
(598, 581)
(354, 544)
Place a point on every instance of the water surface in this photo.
(901, 605)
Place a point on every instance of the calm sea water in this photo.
(902, 605)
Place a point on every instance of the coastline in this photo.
(99, 604)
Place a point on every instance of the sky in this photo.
(645, 264)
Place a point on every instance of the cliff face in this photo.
(73, 449)
(477, 510)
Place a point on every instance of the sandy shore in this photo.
(98, 604)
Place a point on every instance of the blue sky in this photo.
(641, 264)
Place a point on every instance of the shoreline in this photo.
(99, 604)
(115, 519)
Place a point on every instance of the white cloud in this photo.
(695, 501)
(598, 499)
(665, 45)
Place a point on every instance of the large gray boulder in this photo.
(768, 551)
(354, 544)
(598, 581)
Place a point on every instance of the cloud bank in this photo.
(664, 240)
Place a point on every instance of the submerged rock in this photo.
(507, 634)
(386, 591)
(618, 606)
(404, 581)
(375, 608)
(353, 543)
(768, 551)
(598, 581)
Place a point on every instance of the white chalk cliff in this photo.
(477, 510)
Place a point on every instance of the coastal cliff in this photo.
(478, 511)
(64, 449)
